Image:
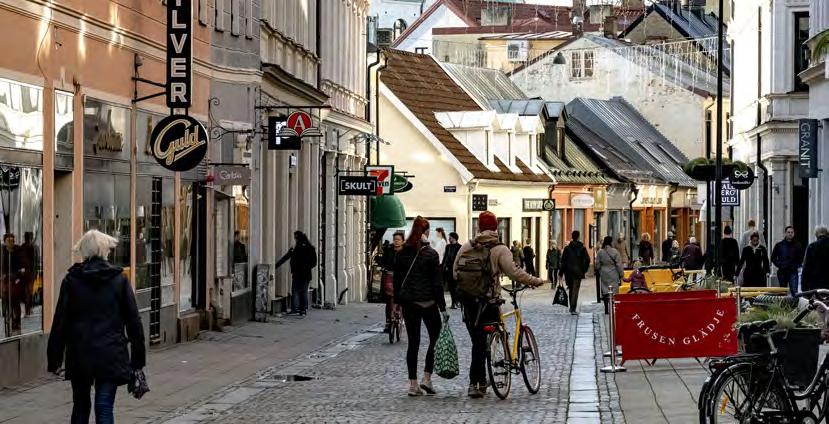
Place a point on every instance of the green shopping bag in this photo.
(446, 354)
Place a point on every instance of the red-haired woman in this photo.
(418, 289)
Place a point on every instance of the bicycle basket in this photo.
(798, 351)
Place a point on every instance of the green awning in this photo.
(387, 212)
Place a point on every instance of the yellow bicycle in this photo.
(504, 360)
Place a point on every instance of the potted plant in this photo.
(704, 169)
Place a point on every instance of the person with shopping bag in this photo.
(446, 353)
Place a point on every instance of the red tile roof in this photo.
(425, 88)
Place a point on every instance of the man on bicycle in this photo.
(480, 264)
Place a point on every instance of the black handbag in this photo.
(138, 384)
(561, 298)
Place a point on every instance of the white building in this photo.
(817, 76)
(768, 99)
(392, 17)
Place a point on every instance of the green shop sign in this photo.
(400, 184)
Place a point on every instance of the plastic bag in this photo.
(561, 297)
(446, 354)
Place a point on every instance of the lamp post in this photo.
(719, 168)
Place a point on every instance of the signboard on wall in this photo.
(582, 201)
(356, 186)
(179, 56)
(277, 141)
(807, 147)
(179, 142)
(230, 175)
(538, 205)
(729, 195)
(479, 202)
(384, 175)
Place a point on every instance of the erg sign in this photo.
(179, 53)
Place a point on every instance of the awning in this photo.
(387, 212)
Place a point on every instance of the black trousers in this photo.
(573, 287)
(412, 316)
(476, 314)
(452, 286)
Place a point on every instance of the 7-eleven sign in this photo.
(384, 175)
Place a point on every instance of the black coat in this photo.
(666, 249)
(729, 257)
(787, 256)
(303, 260)
(95, 306)
(754, 264)
(814, 265)
(424, 282)
(575, 261)
(646, 252)
(449, 256)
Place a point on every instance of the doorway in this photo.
(800, 210)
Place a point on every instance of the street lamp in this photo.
(559, 59)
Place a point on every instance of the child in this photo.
(637, 278)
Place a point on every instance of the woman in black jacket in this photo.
(419, 290)
(754, 263)
(95, 306)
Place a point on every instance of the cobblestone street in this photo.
(364, 380)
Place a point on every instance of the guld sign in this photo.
(807, 147)
(179, 142)
(179, 57)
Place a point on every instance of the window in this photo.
(185, 248)
(21, 196)
(504, 229)
(526, 230)
(220, 14)
(64, 115)
(728, 128)
(581, 64)
(21, 115)
(106, 130)
(106, 200)
(578, 221)
(555, 225)
(801, 51)
(399, 26)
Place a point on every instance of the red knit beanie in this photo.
(487, 221)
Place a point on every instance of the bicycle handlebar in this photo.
(812, 293)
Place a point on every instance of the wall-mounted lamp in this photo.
(559, 59)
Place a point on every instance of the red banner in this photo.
(675, 325)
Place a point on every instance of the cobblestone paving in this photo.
(368, 383)
(609, 405)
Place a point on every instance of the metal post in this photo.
(612, 368)
(719, 170)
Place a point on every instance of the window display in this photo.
(185, 236)
(21, 115)
(64, 116)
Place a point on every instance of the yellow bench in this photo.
(751, 292)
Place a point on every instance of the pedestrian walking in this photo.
(478, 283)
(95, 308)
(11, 286)
(814, 264)
(729, 255)
(692, 257)
(439, 242)
(754, 263)
(575, 261)
(675, 251)
(529, 259)
(787, 256)
(553, 262)
(646, 254)
(610, 269)
(746, 237)
(419, 290)
(448, 265)
(621, 246)
(303, 259)
(667, 244)
(389, 259)
(517, 254)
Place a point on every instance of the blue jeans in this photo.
(104, 401)
(789, 280)
(299, 296)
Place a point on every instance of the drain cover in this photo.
(291, 377)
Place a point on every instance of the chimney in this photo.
(633, 4)
(610, 29)
(579, 6)
(578, 26)
(697, 7)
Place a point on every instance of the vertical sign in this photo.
(384, 175)
(729, 195)
(179, 53)
(807, 147)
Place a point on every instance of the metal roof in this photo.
(484, 84)
(629, 143)
(528, 107)
(550, 35)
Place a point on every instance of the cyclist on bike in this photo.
(480, 264)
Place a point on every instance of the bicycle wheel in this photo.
(498, 364)
(530, 360)
(740, 393)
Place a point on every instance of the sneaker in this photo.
(415, 391)
(474, 391)
(482, 387)
(427, 387)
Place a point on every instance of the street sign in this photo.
(742, 179)
(384, 175)
(357, 186)
(179, 53)
(479, 202)
(450, 189)
(275, 140)
(729, 195)
(807, 147)
(179, 142)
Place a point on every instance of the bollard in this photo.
(739, 299)
(613, 368)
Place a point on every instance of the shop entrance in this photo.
(800, 210)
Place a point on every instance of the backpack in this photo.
(475, 277)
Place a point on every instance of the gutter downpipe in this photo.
(377, 105)
(674, 189)
(319, 49)
(635, 192)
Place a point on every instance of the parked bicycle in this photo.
(753, 388)
(503, 360)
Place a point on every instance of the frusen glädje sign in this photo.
(807, 147)
(676, 325)
(179, 53)
(179, 142)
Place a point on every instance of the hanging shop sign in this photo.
(277, 142)
(384, 175)
(539, 205)
(179, 53)
(231, 175)
(582, 201)
(179, 142)
(350, 185)
(599, 200)
(401, 184)
(299, 124)
(807, 147)
(480, 202)
(741, 179)
(729, 195)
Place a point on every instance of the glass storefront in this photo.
(185, 248)
(578, 221)
(64, 116)
(21, 274)
(21, 115)
(556, 227)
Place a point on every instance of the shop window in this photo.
(64, 116)
(168, 222)
(556, 227)
(578, 221)
(186, 264)
(21, 267)
(526, 230)
(107, 208)
(21, 115)
(106, 130)
(801, 51)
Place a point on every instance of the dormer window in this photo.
(496, 16)
(399, 26)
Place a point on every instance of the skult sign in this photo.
(179, 53)
(179, 142)
(357, 186)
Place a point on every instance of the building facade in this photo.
(817, 76)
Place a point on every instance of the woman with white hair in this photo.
(95, 307)
(814, 263)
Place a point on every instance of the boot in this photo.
(605, 300)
